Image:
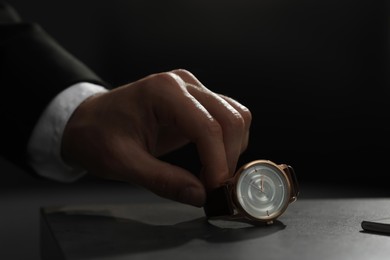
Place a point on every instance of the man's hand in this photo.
(119, 134)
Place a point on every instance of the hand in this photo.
(119, 134)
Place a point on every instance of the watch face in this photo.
(262, 190)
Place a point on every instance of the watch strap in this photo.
(218, 203)
(294, 181)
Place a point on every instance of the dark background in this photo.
(313, 73)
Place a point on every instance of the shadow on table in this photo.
(90, 236)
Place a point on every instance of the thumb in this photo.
(168, 180)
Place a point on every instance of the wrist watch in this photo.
(260, 191)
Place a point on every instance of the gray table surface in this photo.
(309, 229)
(136, 224)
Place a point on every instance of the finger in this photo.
(229, 118)
(135, 165)
(195, 122)
(247, 117)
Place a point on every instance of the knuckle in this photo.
(247, 116)
(181, 71)
(213, 128)
(167, 79)
(163, 84)
(236, 121)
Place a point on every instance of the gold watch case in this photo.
(291, 187)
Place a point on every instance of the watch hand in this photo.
(261, 189)
(262, 184)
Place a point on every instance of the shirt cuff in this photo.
(44, 146)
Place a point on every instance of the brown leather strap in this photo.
(294, 181)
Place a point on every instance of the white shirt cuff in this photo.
(44, 147)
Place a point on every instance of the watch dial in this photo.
(262, 191)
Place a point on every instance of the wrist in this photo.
(76, 129)
(44, 146)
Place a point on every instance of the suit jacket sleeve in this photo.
(34, 68)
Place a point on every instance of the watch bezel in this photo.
(233, 190)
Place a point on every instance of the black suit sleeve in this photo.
(34, 68)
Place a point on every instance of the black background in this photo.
(313, 73)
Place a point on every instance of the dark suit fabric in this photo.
(34, 68)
